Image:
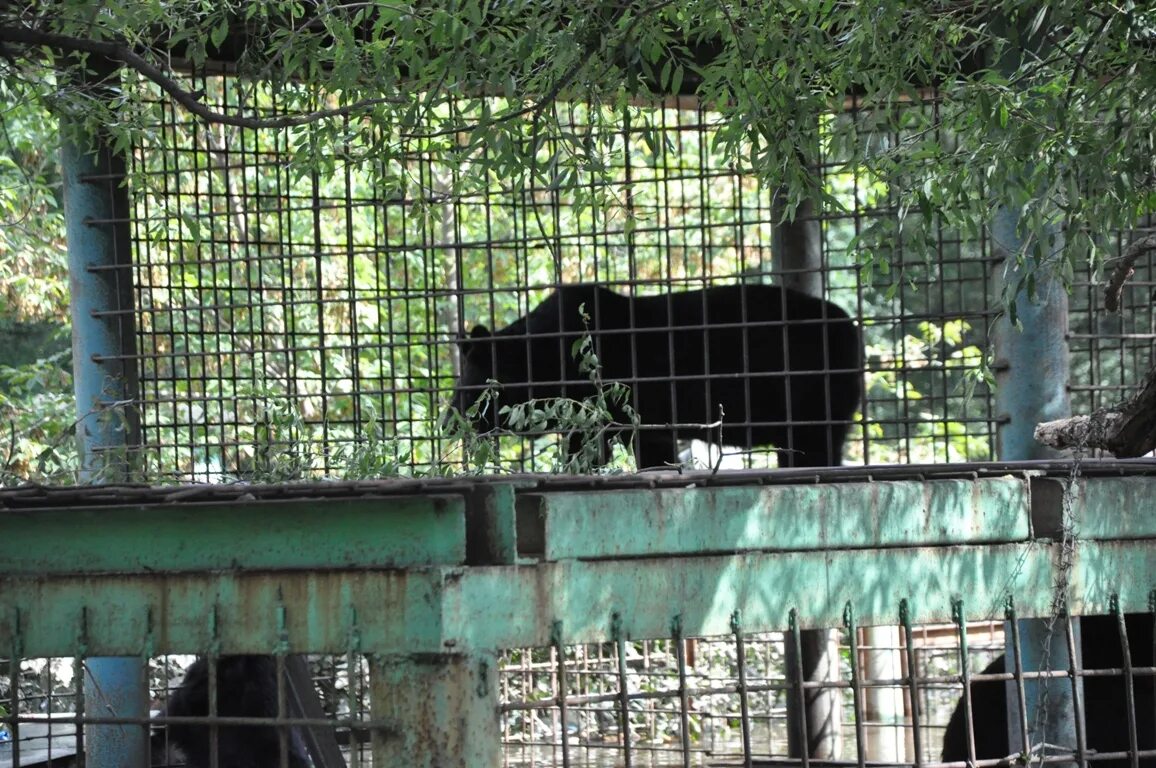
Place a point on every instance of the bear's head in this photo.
(489, 364)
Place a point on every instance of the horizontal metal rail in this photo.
(493, 564)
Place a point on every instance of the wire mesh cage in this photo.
(321, 313)
(899, 695)
(1110, 352)
(719, 700)
(291, 325)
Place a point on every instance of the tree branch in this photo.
(122, 53)
(1124, 270)
(1128, 430)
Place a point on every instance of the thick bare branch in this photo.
(1127, 431)
(1124, 270)
(122, 53)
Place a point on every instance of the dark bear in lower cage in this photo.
(745, 365)
(246, 687)
(1107, 719)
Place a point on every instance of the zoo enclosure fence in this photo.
(318, 313)
(447, 618)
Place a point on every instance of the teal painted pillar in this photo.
(1032, 370)
(443, 709)
(105, 383)
(1031, 364)
(1032, 374)
(103, 323)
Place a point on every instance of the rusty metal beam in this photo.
(465, 609)
(392, 570)
(403, 531)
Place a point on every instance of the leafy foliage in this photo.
(1046, 103)
(590, 425)
(1038, 110)
(35, 379)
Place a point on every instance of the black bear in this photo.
(246, 687)
(1105, 703)
(776, 366)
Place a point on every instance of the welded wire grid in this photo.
(677, 701)
(686, 700)
(41, 713)
(722, 700)
(1111, 352)
(292, 326)
(927, 317)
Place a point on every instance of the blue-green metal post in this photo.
(1031, 363)
(1032, 375)
(1032, 369)
(105, 383)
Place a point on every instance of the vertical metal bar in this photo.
(353, 688)
(683, 692)
(1129, 682)
(1018, 684)
(623, 692)
(1075, 675)
(78, 676)
(104, 382)
(562, 683)
(795, 247)
(816, 664)
(282, 692)
(116, 688)
(912, 681)
(1152, 651)
(1031, 363)
(14, 685)
(147, 653)
(744, 704)
(957, 614)
(105, 379)
(214, 662)
(797, 262)
(887, 740)
(856, 685)
(282, 710)
(1051, 716)
(795, 670)
(1032, 374)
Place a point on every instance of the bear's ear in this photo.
(466, 344)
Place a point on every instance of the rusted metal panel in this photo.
(396, 532)
(792, 517)
(179, 578)
(1125, 507)
(1101, 569)
(246, 612)
(445, 707)
(459, 610)
(704, 592)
